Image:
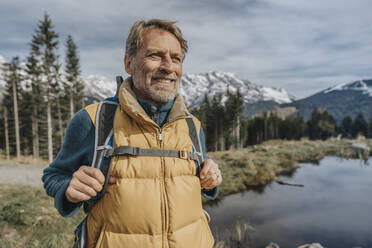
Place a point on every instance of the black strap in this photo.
(119, 81)
(147, 152)
(195, 139)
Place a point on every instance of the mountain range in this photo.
(347, 99)
(341, 100)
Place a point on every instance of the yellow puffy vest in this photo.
(156, 201)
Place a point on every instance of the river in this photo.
(334, 208)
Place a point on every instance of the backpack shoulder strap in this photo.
(195, 138)
(103, 115)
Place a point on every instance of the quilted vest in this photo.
(156, 201)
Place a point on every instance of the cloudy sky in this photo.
(300, 45)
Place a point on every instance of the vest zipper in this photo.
(164, 193)
(160, 136)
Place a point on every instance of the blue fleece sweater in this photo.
(78, 149)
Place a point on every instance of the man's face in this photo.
(157, 66)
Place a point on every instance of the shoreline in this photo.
(256, 166)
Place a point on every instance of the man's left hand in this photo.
(210, 175)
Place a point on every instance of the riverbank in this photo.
(254, 167)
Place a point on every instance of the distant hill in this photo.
(342, 100)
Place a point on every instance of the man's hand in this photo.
(210, 175)
(86, 182)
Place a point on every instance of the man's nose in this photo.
(166, 64)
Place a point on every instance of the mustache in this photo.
(163, 75)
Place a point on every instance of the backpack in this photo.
(104, 151)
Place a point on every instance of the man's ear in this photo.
(128, 64)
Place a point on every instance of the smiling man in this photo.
(151, 201)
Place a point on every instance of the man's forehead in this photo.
(154, 37)
(158, 49)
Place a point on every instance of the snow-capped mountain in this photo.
(194, 87)
(98, 87)
(347, 99)
(363, 86)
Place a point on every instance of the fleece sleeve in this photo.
(76, 150)
(212, 193)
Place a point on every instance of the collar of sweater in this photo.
(157, 114)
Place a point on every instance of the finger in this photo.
(212, 173)
(94, 172)
(210, 181)
(86, 179)
(84, 188)
(206, 167)
(75, 196)
(213, 183)
(112, 180)
(209, 176)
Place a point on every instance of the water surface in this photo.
(333, 208)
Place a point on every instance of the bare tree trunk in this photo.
(6, 133)
(72, 103)
(237, 133)
(16, 121)
(60, 126)
(222, 141)
(35, 133)
(49, 122)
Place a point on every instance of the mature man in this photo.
(150, 201)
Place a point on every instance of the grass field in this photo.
(28, 217)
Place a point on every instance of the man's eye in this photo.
(176, 59)
(155, 55)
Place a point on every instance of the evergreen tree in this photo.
(321, 125)
(292, 127)
(360, 126)
(234, 114)
(75, 88)
(370, 129)
(346, 127)
(45, 45)
(13, 78)
(35, 102)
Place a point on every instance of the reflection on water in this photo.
(334, 208)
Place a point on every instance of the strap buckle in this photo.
(107, 152)
(183, 154)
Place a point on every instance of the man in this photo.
(150, 201)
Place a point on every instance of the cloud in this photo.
(302, 46)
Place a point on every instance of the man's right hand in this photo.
(86, 182)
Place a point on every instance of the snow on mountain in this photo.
(365, 86)
(99, 87)
(195, 86)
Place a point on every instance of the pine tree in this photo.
(45, 45)
(321, 125)
(346, 127)
(34, 70)
(234, 114)
(370, 129)
(12, 78)
(75, 86)
(6, 131)
(360, 126)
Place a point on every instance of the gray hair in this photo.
(135, 37)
